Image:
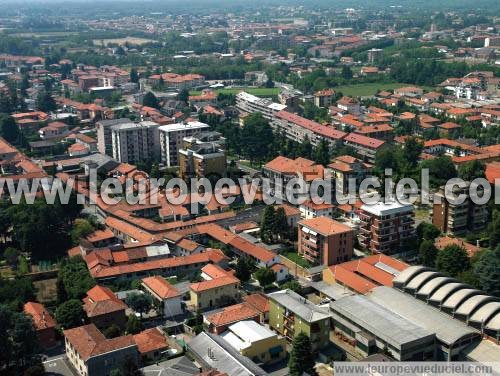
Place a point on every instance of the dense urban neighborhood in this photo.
(227, 188)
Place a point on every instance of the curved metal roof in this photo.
(484, 313)
(474, 302)
(458, 297)
(419, 280)
(447, 329)
(444, 291)
(430, 286)
(408, 274)
(494, 323)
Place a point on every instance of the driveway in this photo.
(58, 366)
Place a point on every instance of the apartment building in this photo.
(346, 168)
(135, 142)
(250, 103)
(459, 217)
(385, 227)
(366, 147)
(291, 314)
(324, 241)
(92, 354)
(281, 170)
(202, 155)
(171, 138)
(297, 128)
(324, 98)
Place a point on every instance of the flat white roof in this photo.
(243, 334)
(182, 126)
(382, 208)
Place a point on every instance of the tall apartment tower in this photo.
(458, 218)
(135, 142)
(104, 140)
(171, 137)
(385, 227)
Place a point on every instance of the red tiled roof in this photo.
(317, 128)
(214, 283)
(150, 340)
(40, 316)
(214, 271)
(325, 226)
(258, 301)
(364, 141)
(492, 171)
(88, 341)
(234, 313)
(444, 241)
(161, 287)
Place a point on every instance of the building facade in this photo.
(324, 241)
(385, 227)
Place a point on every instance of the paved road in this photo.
(247, 169)
(58, 366)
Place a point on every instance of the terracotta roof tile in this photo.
(161, 287)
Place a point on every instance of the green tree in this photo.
(441, 169)
(81, 229)
(265, 276)
(427, 231)
(74, 279)
(183, 96)
(256, 138)
(8, 128)
(487, 271)
(412, 150)
(150, 100)
(267, 224)
(427, 253)
(45, 102)
(24, 342)
(305, 148)
(134, 76)
(494, 229)
(292, 285)
(134, 325)
(322, 153)
(112, 331)
(244, 268)
(11, 255)
(70, 314)
(471, 170)
(280, 225)
(346, 72)
(301, 357)
(140, 303)
(452, 260)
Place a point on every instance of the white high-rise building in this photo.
(171, 136)
(135, 142)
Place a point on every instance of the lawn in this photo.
(258, 91)
(296, 258)
(367, 89)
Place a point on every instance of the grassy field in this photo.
(296, 258)
(122, 41)
(258, 91)
(361, 90)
